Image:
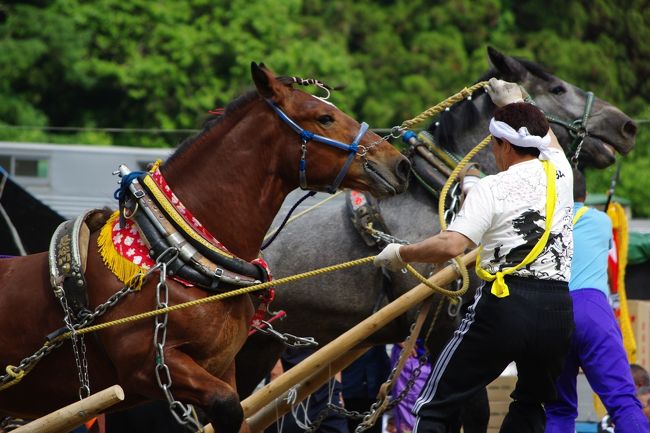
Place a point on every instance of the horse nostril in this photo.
(402, 169)
(629, 129)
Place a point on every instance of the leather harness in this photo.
(67, 258)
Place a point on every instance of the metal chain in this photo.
(27, 363)
(79, 354)
(396, 132)
(454, 206)
(289, 340)
(84, 319)
(184, 414)
(368, 421)
(366, 417)
(380, 236)
(576, 154)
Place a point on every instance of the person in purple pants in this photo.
(597, 344)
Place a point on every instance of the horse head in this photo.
(607, 129)
(348, 154)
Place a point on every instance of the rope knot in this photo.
(499, 287)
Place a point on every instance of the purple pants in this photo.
(597, 347)
(402, 415)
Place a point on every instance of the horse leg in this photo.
(255, 361)
(216, 396)
(192, 384)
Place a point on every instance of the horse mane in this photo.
(464, 114)
(213, 120)
(236, 105)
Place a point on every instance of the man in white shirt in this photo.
(522, 218)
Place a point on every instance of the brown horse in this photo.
(233, 177)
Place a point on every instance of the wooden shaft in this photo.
(336, 348)
(75, 414)
(267, 415)
(353, 337)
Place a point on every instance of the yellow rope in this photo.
(452, 178)
(430, 112)
(246, 290)
(17, 377)
(461, 269)
(450, 293)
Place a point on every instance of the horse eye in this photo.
(558, 90)
(325, 119)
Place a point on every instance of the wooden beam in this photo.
(277, 408)
(348, 340)
(75, 414)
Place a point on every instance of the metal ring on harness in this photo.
(577, 128)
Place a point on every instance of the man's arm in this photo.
(436, 249)
(504, 93)
(554, 143)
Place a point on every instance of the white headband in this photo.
(521, 138)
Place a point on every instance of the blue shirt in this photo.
(592, 240)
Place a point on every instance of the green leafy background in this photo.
(163, 64)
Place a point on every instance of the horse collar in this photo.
(152, 213)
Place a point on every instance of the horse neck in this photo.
(411, 216)
(465, 126)
(229, 179)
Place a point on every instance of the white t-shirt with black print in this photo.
(506, 214)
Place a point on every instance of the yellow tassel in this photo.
(126, 271)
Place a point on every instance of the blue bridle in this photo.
(307, 136)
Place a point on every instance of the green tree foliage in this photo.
(162, 65)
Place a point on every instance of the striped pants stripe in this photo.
(532, 327)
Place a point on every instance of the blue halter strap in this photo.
(307, 136)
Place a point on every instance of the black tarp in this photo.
(33, 221)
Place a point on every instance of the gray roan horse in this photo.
(327, 306)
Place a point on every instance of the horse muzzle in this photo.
(387, 182)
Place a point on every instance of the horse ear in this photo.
(267, 86)
(509, 68)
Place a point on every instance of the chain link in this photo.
(289, 340)
(84, 319)
(384, 237)
(395, 132)
(454, 205)
(576, 154)
(367, 417)
(184, 414)
(79, 353)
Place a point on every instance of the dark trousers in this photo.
(532, 327)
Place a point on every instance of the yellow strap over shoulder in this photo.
(499, 287)
(579, 214)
